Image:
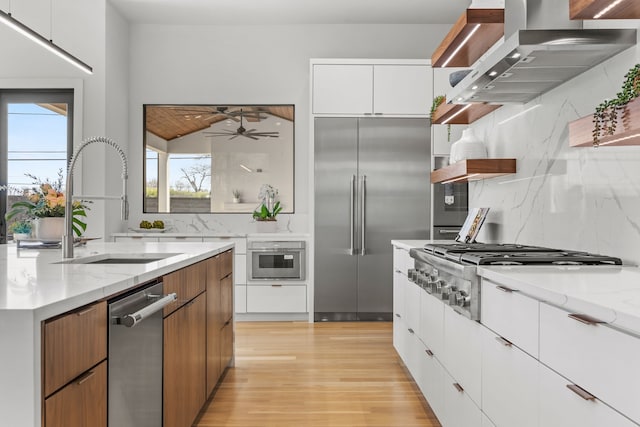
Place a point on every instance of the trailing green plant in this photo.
(437, 101)
(605, 117)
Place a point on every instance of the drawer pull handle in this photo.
(276, 286)
(85, 377)
(397, 315)
(88, 310)
(505, 289)
(583, 318)
(411, 331)
(504, 342)
(458, 387)
(581, 392)
(429, 352)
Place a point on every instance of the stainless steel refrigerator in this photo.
(371, 186)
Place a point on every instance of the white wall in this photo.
(572, 198)
(250, 65)
(80, 27)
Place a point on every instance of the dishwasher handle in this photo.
(131, 320)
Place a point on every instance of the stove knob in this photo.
(461, 298)
(411, 275)
(441, 287)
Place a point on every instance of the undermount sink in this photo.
(119, 259)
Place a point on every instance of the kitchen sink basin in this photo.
(119, 259)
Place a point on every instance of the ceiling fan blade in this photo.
(249, 136)
(234, 136)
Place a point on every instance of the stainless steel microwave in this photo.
(276, 260)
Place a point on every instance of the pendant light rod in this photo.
(8, 20)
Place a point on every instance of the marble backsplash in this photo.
(572, 198)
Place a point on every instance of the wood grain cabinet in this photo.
(74, 368)
(198, 336)
(184, 363)
(82, 403)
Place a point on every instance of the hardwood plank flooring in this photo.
(322, 374)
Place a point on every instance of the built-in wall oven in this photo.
(276, 260)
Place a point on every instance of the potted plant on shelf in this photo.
(45, 204)
(265, 214)
(20, 229)
(236, 196)
(606, 116)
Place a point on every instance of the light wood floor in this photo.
(322, 374)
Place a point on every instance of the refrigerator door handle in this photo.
(363, 213)
(352, 214)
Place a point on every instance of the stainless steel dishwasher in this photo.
(135, 357)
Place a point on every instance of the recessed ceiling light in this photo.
(516, 55)
(493, 73)
(474, 87)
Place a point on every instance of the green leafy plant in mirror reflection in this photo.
(605, 118)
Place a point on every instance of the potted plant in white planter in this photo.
(21, 230)
(236, 195)
(265, 214)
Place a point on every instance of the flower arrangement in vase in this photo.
(45, 204)
(269, 206)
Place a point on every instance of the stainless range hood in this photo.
(533, 59)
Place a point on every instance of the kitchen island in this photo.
(35, 286)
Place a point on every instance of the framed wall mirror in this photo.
(215, 158)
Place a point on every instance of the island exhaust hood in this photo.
(533, 58)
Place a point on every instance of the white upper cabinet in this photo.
(372, 89)
(402, 89)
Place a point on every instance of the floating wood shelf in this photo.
(473, 170)
(588, 9)
(461, 114)
(491, 28)
(627, 129)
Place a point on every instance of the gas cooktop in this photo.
(514, 254)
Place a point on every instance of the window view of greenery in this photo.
(36, 154)
(215, 158)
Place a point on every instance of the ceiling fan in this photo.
(220, 111)
(241, 131)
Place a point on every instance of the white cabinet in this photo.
(175, 239)
(431, 381)
(342, 89)
(509, 383)
(459, 409)
(412, 307)
(277, 298)
(462, 352)
(599, 359)
(402, 89)
(372, 89)
(511, 315)
(562, 407)
(134, 239)
(432, 323)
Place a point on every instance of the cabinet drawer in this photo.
(511, 315)
(462, 352)
(81, 403)
(509, 383)
(598, 358)
(226, 299)
(431, 381)
(412, 306)
(187, 283)
(459, 409)
(432, 323)
(561, 407)
(74, 343)
(277, 299)
(226, 263)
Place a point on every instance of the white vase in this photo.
(21, 236)
(49, 228)
(266, 226)
(467, 147)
